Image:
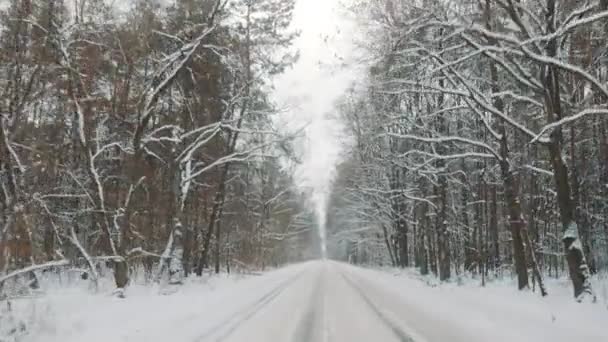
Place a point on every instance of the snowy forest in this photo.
(142, 139)
(141, 144)
(479, 141)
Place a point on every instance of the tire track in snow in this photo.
(223, 330)
(400, 333)
(309, 324)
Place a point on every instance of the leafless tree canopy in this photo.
(142, 138)
(480, 140)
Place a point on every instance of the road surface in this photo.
(319, 301)
(327, 302)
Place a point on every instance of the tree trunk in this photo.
(577, 263)
(403, 243)
(441, 226)
(218, 246)
(516, 224)
(218, 204)
(388, 245)
(494, 228)
(423, 240)
(511, 187)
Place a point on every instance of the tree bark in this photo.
(577, 263)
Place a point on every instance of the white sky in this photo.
(310, 89)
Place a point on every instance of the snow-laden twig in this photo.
(567, 120)
(441, 140)
(539, 170)
(79, 183)
(518, 97)
(115, 258)
(543, 59)
(13, 153)
(104, 148)
(59, 263)
(140, 251)
(205, 136)
(517, 72)
(436, 156)
(477, 96)
(277, 196)
(233, 157)
(74, 240)
(174, 64)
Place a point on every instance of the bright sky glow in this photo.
(310, 90)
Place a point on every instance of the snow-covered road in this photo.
(334, 302)
(321, 301)
(324, 303)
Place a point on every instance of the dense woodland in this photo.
(141, 138)
(479, 141)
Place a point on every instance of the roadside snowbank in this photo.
(497, 312)
(149, 313)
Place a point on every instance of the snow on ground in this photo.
(73, 314)
(315, 302)
(497, 312)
